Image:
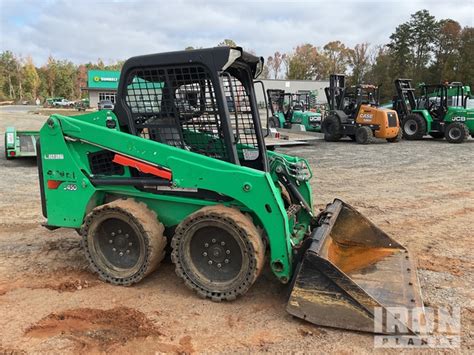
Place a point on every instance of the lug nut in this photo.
(128, 251)
(226, 261)
(219, 265)
(111, 241)
(210, 262)
(121, 253)
(119, 231)
(126, 235)
(204, 254)
(227, 252)
(213, 240)
(113, 249)
(222, 243)
(129, 244)
(112, 234)
(206, 245)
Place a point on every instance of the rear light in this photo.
(12, 153)
(53, 184)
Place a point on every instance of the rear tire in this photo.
(273, 122)
(414, 127)
(456, 132)
(123, 241)
(218, 252)
(364, 135)
(331, 127)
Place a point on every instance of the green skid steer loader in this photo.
(182, 161)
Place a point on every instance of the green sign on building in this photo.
(103, 79)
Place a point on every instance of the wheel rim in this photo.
(118, 245)
(410, 127)
(361, 135)
(215, 252)
(455, 133)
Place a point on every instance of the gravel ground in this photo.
(421, 193)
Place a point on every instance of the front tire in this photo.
(218, 252)
(273, 122)
(332, 128)
(123, 241)
(364, 135)
(414, 127)
(456, 132)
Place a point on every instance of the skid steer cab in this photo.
(355, 112)
(181, 161)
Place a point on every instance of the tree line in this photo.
(20, 80)
(423, 48)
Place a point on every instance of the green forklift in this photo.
(289, 109)
(440, 111)
(174, 164)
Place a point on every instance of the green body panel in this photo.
(281, 118)
(15, 148)
(461, 114)
(306, 118)
(64, 148)
(454, 114)
(303, 118)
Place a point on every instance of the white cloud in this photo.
(83, 31)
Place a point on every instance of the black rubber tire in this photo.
(437, 135)
(145, 229)
(273, 122)
(397, 138)
(332, 128)
(456, 132)
(241, 269)
(414, 127)
(364, 135)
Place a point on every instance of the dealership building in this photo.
(102, 85)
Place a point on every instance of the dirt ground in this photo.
(421, 193)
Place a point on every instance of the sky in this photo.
(85, 30)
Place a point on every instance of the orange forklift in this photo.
(354, 112)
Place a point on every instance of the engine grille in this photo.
(101, 163)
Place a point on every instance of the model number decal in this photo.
(458, 119)
(71, 187)
(54, 156)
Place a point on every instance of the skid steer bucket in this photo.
(351, 273)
